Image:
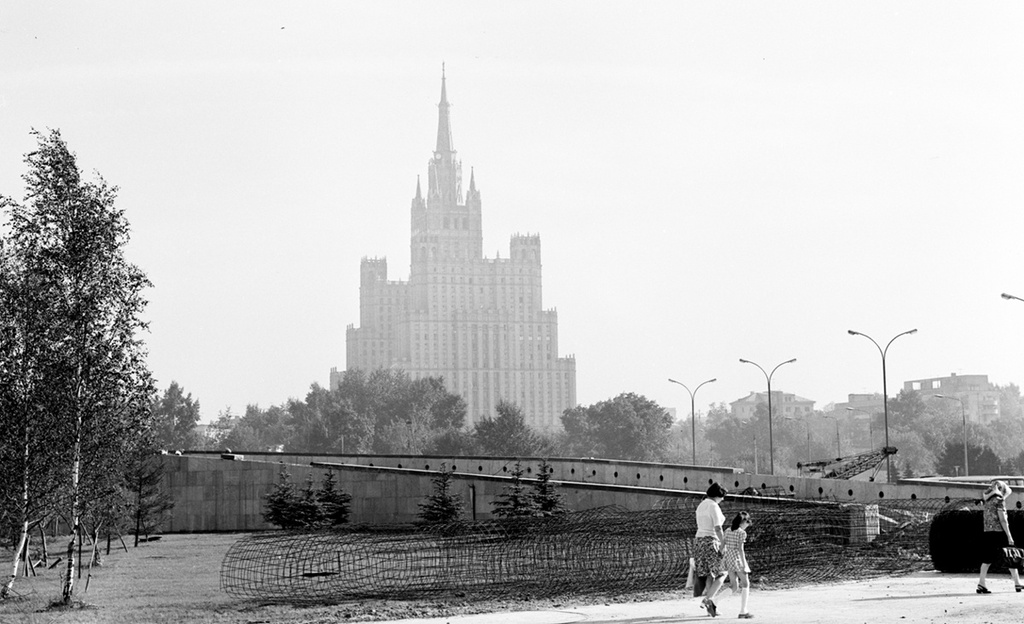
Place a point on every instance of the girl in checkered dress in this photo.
(735, 559)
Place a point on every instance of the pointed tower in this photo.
(444, 170)
(444, 229)
(476, 322)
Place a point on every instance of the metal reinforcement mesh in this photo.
(605, 550)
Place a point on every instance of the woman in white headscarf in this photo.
(996, 535)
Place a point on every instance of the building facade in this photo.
(783, 404)
(477, 322)
(980, 399)
(861, 406)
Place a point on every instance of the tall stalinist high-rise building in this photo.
(478, 322)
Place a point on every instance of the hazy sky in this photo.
(711, 181)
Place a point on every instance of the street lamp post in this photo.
(963, 414)
(768, 377)
(753, 431)
(693, 413)
(807, 422)
(839, 451)
(871, 435)
(885, 396)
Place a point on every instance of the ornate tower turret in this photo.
(444, 169)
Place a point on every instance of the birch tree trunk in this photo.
(69, 581)
(23, 529)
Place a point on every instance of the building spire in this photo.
(472, 180)
(444, 129)
(418, 194)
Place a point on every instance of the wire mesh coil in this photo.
(604, 550)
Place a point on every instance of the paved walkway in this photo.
(922, 598)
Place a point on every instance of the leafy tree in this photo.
(33, 479)
(452, 442)
(1011, 404)
(1015, 464)
(508, 433)
(628, 426)
(260, 430)
(514, 500)
(1004, 435)
(69, 241)
(327, 423)
(442, 505)
(982, 460)
(546, 500)
(446, 410)
(174, 417)
(919, 430)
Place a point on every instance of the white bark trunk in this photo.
(23, 538)
(6, 589)
(69, 581)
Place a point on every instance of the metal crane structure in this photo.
(850, 466)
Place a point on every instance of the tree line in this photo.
(384, 411)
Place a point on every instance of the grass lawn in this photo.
(177, 579)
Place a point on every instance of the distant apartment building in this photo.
(478, 322)
(861, 405)
(783, 404)
(980, 399)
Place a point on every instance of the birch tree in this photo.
(69, 238)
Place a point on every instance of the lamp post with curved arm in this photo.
(871, 435)
(693, 413)
(963, 414)
(885, 396)
(1008, 296)
(768, 377)
(839, 450)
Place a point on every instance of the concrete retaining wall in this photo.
(212, 492)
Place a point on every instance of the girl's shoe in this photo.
(710, 606)
(746, 616)
(1018, 588)
(984, 590)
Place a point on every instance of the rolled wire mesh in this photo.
(602, 550)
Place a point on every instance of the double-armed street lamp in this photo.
(693, 413)
(963, 415)
(885, 396)
(768, 377)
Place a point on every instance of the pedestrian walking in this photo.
(735, 560)
(996, 533)
(707, 547)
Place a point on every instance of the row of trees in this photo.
(75, 390)
(385, 411)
